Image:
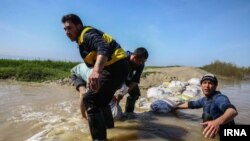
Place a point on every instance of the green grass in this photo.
(43, 70)
(144, 74)
(153, 67)
(34, 70)
(217, 67)
(228, 70)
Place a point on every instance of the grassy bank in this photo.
(224, 69)
(228, 70)
(43, 70)
(153, 67)
(34, 70)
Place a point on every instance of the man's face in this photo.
(71, 30)
(139, 61)
(208, 87)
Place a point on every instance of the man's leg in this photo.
(131, 99)
(106, 94)
(113, 81)
(97, 103)
(108, 117)
(95, 117)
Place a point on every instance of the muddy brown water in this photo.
(49, 112)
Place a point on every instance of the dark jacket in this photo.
(213, 107)
(93, 42)
(135, 71)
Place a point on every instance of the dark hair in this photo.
(73, 18)
(141, 52)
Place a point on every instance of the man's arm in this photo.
(191, 104)
(182, 106)
(132, 83)
(80, 87)
(131, 86)
(212, 127)
(94, 78)
(77, 82)
(229, 114)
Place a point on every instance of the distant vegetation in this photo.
(152, 67)
(34, 70)
(228, 70)
(43, 70)
(144, 74)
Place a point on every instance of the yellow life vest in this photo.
(90, 58)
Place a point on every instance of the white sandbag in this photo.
(190, 94)
(175, 99)
(194, 88)
(194, 81)
(162, 106)
(165, 84)
(177, 84)
(177, 87)
(153, 92)
(176, 90)
(116, 110)
(157, 92)
(143, 103)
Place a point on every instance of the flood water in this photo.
(48, 112)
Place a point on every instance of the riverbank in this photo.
(153, 77)
(59, 71)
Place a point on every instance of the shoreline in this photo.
(154, 77)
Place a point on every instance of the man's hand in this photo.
(94, 81)
(123, 90)
(118, 98)
(211, 128)
(95, 77)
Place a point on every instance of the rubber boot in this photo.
(108, 117)
(97, 126)
(131, 99)
(130, 105)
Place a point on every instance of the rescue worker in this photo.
(136, 62)
(108, 61)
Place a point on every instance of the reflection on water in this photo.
(239, 94)
(43, 112)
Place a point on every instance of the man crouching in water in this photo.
(217, 109)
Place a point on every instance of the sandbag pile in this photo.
(165, 97)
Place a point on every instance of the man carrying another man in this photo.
(108, 61)
(136, 62)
